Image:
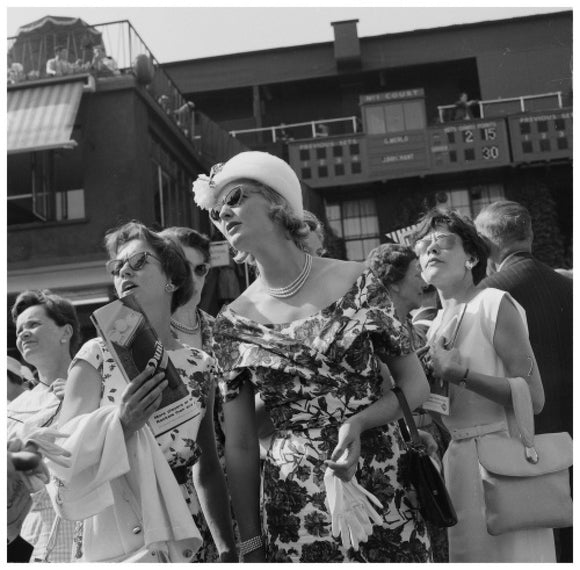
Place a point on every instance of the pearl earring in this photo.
(470, 265)
(169, 287)
(62, 340)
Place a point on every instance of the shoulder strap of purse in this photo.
(524, 415)
(407, 414)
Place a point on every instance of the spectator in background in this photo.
(102, 64)
(163, 101)
(546, 297)
(15, 73)
(59, 64)
(463, 108)
(185, 117)
(20, 378)
(322, 130)
(47, 336)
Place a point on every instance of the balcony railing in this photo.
(296, 131)
(28, 54)
(507, 106)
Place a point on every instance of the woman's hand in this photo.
(58, 387)
(446, 363)
(141, 398)
(344, 458)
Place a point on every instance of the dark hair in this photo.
(390, 262)
(58, 49)
(59, 309)
(173, 261)
(456, 223)
(188, 237)
(505, 222)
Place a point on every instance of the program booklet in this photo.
(134, 344)
(438, 400)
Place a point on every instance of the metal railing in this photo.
(28, 55)
(502, 106)
(306, 130)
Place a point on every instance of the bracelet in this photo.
(251, 544)
(463, 381)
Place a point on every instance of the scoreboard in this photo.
(473, 145)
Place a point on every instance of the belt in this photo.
(181, 473)
(458, 434)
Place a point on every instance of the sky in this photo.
(178, 32)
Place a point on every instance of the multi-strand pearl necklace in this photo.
(185, 328)
(296, 285)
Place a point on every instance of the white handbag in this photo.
(526, 479)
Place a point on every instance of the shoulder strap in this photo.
(523, 413)
(407, 414)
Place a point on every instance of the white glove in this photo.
(351, 510)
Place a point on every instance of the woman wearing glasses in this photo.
(311, 335)
(491, 345)
(153, 269)
(193, 327)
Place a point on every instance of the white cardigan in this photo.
(124, 491)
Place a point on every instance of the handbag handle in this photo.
(412, 427)
(524, 415)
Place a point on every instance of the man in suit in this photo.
(546, 297)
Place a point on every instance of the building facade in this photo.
(90, 149)
(376, 127)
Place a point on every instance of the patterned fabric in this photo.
(197, 370)
(208, 552)
(313, 374)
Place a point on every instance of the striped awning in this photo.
(42, 117)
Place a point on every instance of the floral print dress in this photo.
(197, 370)
(313, 374)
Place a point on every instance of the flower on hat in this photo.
(203, 194)
(204, 188)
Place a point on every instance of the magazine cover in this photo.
(134, 344)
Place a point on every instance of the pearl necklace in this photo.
(184, 328)
(296, 285)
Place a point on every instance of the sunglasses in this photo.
(136, 262)
(441, 241)
(232, 199)
(200, 270)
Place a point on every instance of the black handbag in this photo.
(434, 500)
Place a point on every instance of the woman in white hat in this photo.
(311, 335)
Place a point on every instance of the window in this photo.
(355, 221)
(395, 117)
(172, 186)
(45, 186)
(470, 201)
